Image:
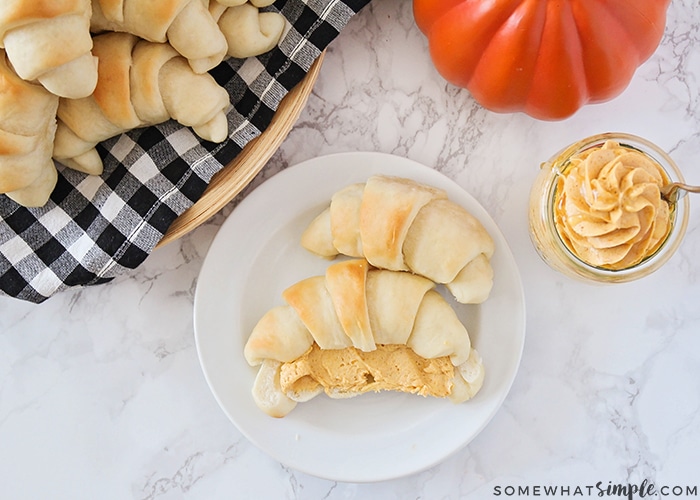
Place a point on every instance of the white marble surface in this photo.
(102, 396)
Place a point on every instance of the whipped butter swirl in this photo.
(608, 207)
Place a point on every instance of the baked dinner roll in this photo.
(359, 329)
(140, 84)
(248, 31)
(27, 127)
(186, 24)
(49, 42)
(402, 225)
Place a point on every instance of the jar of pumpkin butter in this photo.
(596, 210)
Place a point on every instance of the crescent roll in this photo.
(248, 31)
(186, 24)
(27, 127)
(140, 84)
(399, 224)
(49, 42)
(359, 329)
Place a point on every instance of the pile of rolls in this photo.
(76, 72)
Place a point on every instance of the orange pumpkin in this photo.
(546, 58)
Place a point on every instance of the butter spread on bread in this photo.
(358, 329)
(350, 371)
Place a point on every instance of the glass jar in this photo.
(543, 211)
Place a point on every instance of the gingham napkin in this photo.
(94, 228)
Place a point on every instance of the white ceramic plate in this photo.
(256, 255)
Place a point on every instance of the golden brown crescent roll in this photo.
(49, 41)
(140, 84)
(399, 224)
(186, 24)
(248, 31)
(359, 329)
(27, 127)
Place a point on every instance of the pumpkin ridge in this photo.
(508, 62)
(604, 65)
(556, 84)
(464, 22)
(635, 18)
(586, 51)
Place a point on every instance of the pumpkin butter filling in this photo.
(608, 206)
(352, 371)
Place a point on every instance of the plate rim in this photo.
(281, 178)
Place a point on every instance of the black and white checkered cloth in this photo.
(94, 227)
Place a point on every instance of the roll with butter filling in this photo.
(359, 329)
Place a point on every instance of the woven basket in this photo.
(235, 176)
